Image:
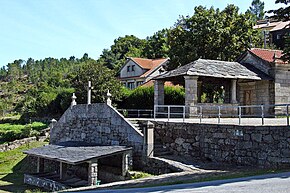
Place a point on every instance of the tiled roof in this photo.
(213, 68)
(148, 63)
(273, 26)
(151, 83)
(281, 25)
(268, 55)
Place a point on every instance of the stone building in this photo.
(90, 143)
(258, 77)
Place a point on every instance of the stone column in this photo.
(62, 170)
(234, 91)
(158, 92)
(149, 139)
(93, 173)
(191, 94)
(125, 164)
(40, 165)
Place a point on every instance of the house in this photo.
(274, 31)
(257, 77)
(137, 71)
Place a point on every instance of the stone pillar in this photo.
(199, 91)
(158, 92)
(191, 94)
(149, 139)
(234, 91)
(40, 165)
(93, 173)
(62, 170)
(125, 164)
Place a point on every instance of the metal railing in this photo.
(137, 113)
(222, 111)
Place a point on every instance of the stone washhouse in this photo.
(258, 77)
(89, 145)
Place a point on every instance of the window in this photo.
(128, 68)
(139, 83)
(131, 85)
(279, 36)
(133, 68)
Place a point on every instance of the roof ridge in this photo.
(266, 49)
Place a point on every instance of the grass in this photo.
(137, 174)
(13, 165)
(18, 128)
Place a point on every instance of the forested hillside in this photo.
(44, 87)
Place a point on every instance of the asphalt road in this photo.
(270, 183)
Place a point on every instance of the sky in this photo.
(64, 28)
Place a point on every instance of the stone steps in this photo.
(137, 125)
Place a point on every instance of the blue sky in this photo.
(64, 28)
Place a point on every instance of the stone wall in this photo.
(99, 124)
(262, 146)
(15, 144)
(282, 86)
(44, 183)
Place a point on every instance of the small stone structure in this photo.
(259, 77)
(106, 163)
(262, 146)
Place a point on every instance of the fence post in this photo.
(219, 119)
(287, 114)
(168, 112)
(200, 113)
(183, 109)
(262, 114)
(138, 113)
(154, 112)
(240, 114)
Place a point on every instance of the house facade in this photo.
(274, 31)
(137, 71)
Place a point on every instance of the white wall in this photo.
(137, 70)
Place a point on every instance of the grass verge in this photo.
(13, 165)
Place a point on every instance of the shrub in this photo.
(143, 97)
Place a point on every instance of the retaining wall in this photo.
(262, 146)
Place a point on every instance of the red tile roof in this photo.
(167, 83)
(148, 63)
(268, 55)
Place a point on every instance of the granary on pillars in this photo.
(210, 82)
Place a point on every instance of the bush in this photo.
(143, 97)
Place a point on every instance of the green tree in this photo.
(211, 34)
(128, 46)
(257, 9)
(102, 79)
(157, 45)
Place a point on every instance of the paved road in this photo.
(271, 183)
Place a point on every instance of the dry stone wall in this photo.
(262, 146)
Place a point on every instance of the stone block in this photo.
(256, 137)
(179, 141)
(268, 139)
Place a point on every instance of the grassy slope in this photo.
(12, 167)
